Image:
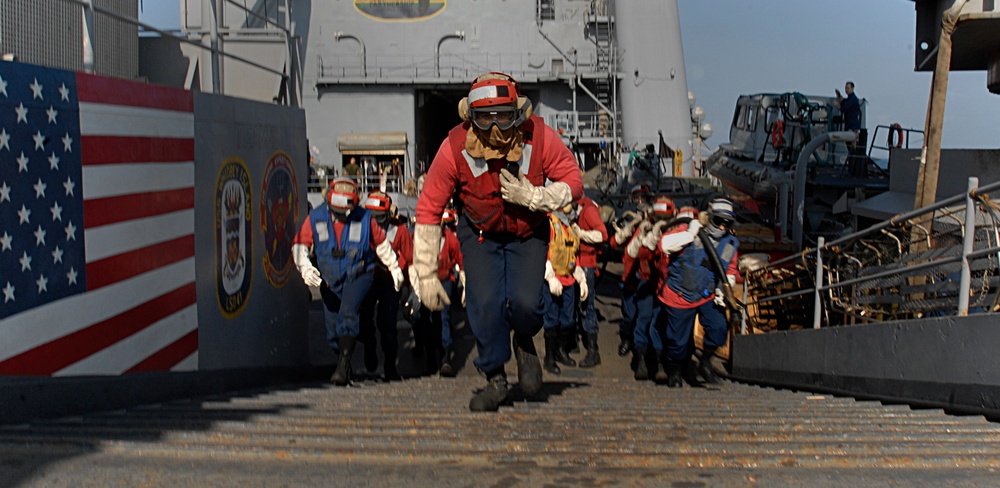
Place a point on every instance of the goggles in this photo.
(721, 221)
(504, 117)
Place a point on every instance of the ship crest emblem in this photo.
(400, 10)
(279, 212)
(233, 237)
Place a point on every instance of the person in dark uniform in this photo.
(346, 241)
(497, 161)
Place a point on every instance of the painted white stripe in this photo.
(124, 179)
(109, 240)
(32, 328)
(98, 119)
(189, 363)
(119, 357)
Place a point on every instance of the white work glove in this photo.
(388, 257)
(633, 246)
(310, 275)
(423, 272)
(731, 279)
(519, 191)
(720, 297)
(623, 233)
(588, 236)
(461, 281)
(652, 237)
(676, 241)
(694, 227)
(581, 279)
(555, 286)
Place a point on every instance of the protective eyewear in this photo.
(502, 117)
(720, 221)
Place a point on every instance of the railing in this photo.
(583, 125)
(367, 181)
(333, 67)
(940, 260)
(895, 137)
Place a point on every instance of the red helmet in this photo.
(493, 101)
(689, 213)
(663, 206)
(342, 195)
(378, 201)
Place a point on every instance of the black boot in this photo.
(565, 336)
(431, 361)
(446, 369)
(593, 355)
(529, 369)
(625, 347)
(389, 371)
(653, 363)
(641, 369)
(705, 366)
(674, 374)
(342, 376)
(690, 373)
(573, 345)
(492, 396)
(551, 344)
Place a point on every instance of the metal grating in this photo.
(50, 33)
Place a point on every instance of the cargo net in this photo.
(911, 269)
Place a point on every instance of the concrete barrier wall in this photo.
(949, 362)
(250, 198)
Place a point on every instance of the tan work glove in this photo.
(519, 191)
(653, 236)
(388, 257)
(581, 279)
(310, 275)
(555, 286)
(588, 236)
(423, 272)
(623, 233)
(633, 246)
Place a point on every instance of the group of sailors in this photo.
(502, 216)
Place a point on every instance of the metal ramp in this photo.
(594, 431)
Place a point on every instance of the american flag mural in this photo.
(97, 255)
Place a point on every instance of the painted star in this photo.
(69, 185)
(67, 143)
(22, 114)
(54, 162)
(39, 140)
(3, 86)
(4, 192)
(22, 163)
(56, 212)
(52, 113)
(40, 236)
(71, 276)
(4, 139)
(24, 215)
(42, 283)
(8, 293)
(36, 90)
(5, 242)
(39, 188)
(71, 232)
(25, 262)
(57, 255)
(64, 92)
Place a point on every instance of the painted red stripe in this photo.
(135, 150)
(169, 356)
(60, 353)
(120, 208)
(122, 266)
(115, 91)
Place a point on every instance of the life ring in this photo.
(895, 138)
(778, 133)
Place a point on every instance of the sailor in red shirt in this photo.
(345, 240)
(497, 161)
(642, 198)
(693, 289)
(593, 234)
(381, 307)
(564, 278)
(435, 326)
